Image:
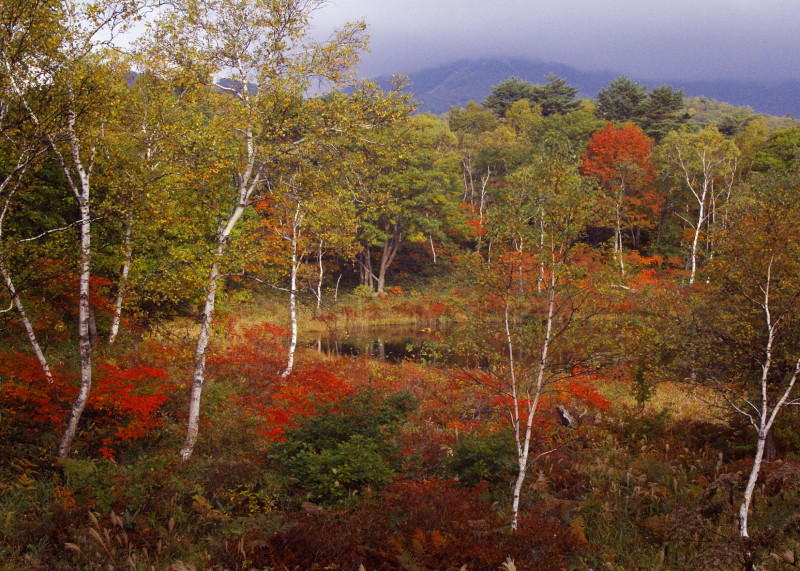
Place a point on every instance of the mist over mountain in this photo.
(438, 88)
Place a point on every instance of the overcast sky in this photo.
(647, 39)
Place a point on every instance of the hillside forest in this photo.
(194, 228)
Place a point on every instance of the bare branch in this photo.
(54, 230)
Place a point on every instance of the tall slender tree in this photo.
(250, 62)
(706, 165)
(64, 89)
(746, 326)
(529, 300)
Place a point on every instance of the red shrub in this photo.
(127, 402)
(282, 402)
(253, 354)
(434, 524)
(122, 406)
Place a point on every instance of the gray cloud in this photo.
(681, 39)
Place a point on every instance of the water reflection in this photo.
(391, 343)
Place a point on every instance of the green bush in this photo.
(363, 292)
(346, 448)
(92, 482)
(483, 457)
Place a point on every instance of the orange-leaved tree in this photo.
(621, 162)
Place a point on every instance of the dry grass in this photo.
(682, 400)
(685, 402)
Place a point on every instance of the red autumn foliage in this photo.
(253, 354)
(613, 156)
(472, 214)
(434, 524)
(577, 391)
(123, 404)
(128, 401)
(53, 308)
(621, 162)
(254, 357)
(287, 400)
(581, 389)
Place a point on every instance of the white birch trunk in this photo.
(201, 348)
(123, 279)
(524, 446)
(482, 206)
(84, 339)
(766, 417)
(81, 190)
(249, 181)
(293, 294)
(7, 183)
(701, 216)
(29, 331)
(744, 508)
(618, 233)
(320, 275)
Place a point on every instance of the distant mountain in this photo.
(437, 89)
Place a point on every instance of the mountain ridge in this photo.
(438, 88)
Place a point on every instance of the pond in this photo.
(391, 343)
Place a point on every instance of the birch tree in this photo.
(250, 61)
(705, 165)
(314, 193)
(530, 303)
(23, 35)
(63, 90)
(136, 171)
(312, 217)
(10, 183)
(747, 324)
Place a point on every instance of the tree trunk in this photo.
(744, 509)
(92, 326)
(696, 239)
(618, 239)
(199, 373)
(523, 446)
(366, 267)
(320, 275)
(123, 279)
(20, 308)
(84, 340)
(770, 450)
(388, 254)
(8, 183)
(636, 237)
(292, 314)
(296, 261)
(484, 182)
